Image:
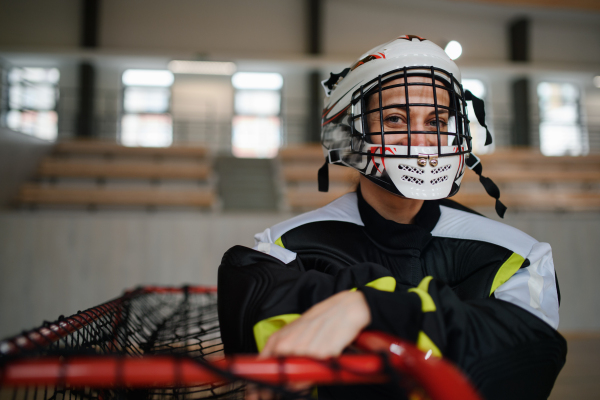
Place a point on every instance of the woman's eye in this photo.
(434, 123)
(393, 119)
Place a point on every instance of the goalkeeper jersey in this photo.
(459, 285)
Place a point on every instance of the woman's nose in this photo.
(423, 139)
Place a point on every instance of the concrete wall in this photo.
(278, 26)
(54, 263)
(20, 155)
(270, 26)
(38, 23)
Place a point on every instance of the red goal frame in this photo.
(439, 378)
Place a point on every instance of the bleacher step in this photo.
(54, 168)
(37, 194)
(112, 149)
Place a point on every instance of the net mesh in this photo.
(138, 324)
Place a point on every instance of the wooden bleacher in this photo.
(36, 194)
(527, 179)
(95, 173)
(299, 166)
(112, 149)
(52, 167)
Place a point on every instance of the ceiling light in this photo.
(202, 67)
(453, 49)
(257, 80)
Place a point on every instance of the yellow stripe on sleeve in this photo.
(265, 328)
(279, 243)
(427, 304)
(384, 284)
(425, 344)
(506, 271)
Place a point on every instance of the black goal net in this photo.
(161, 342)
(180, 323)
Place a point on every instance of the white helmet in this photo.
(418, 163)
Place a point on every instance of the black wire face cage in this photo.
(448, 124)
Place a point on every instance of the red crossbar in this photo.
(159, 371)
(440, 379)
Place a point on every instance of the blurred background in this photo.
(139, 140)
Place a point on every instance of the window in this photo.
(256, 125)
(146, 119)
(32, 101)
(477, 131)
(561, 130)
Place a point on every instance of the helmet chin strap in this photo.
(323, 176)
(490, 187)
(473, 161)
(479, 113)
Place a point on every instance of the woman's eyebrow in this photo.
(441, 111)
(387, 107)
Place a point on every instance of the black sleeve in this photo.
(253, 286)
(507, 352)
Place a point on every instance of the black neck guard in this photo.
(395, 235)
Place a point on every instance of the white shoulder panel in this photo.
(274, 250)
(534, 288)
(344, 209)
(464, 225)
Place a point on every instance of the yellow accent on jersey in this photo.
(279, 243)
(384, 284)
(425, 344)
(427, 304)
(265, 328)
(506, 271)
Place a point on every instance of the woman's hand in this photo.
(323, 331)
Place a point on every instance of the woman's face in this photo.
(422, 118)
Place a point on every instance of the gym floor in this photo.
(580, 377)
